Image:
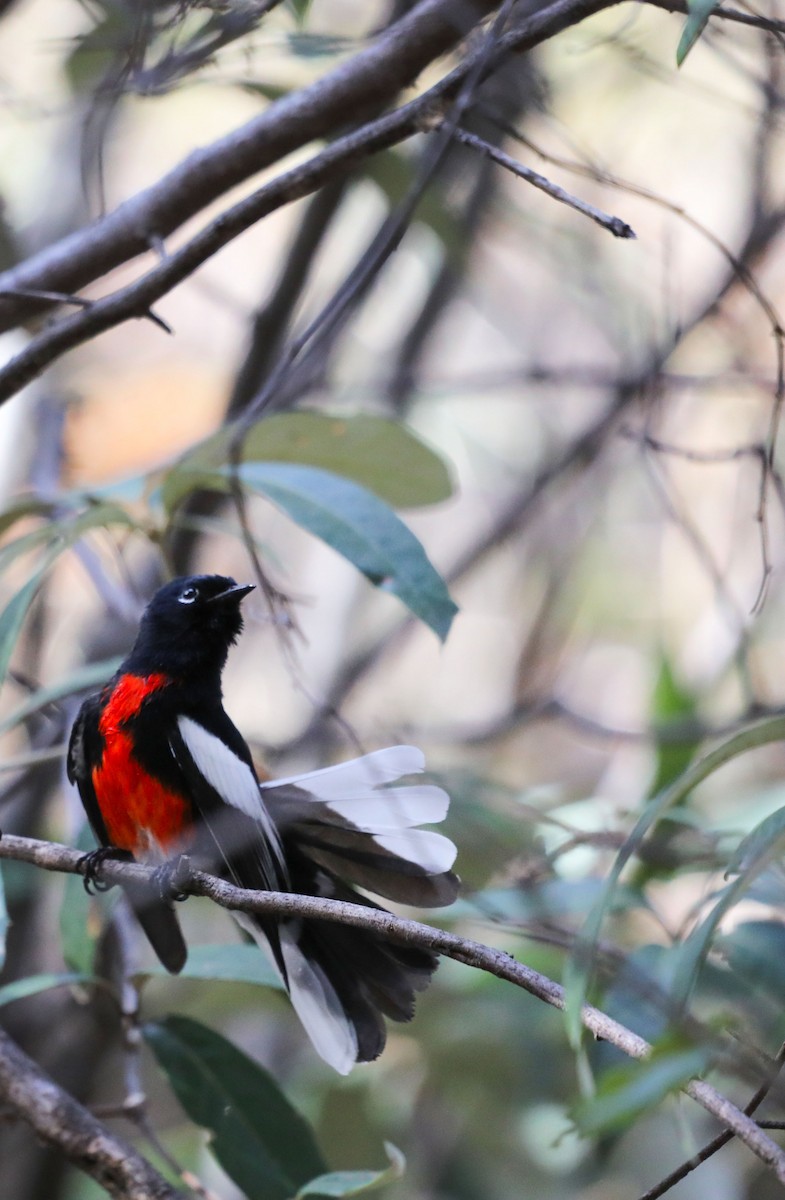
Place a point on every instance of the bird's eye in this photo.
(188, 595)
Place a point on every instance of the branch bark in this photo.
(104, 244)
(55, 857)
(67, 1126)
(372, 77)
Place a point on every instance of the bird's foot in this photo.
(172, 877)
(91, 864)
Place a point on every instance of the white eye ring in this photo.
(188, 595)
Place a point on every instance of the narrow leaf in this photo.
(262, 1143)
(629, 1090)
(13, 615)
(361, 528)
(755, 950)
(577, 975)
(82, 917)
(377, 453)
(90, 676)
(20, 989)
(356, 1183)
(699, 13)
(228, 964)
(759, 841)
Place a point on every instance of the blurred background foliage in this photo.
(581, 432)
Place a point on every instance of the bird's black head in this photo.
(188, 627)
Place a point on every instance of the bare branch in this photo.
(67, 1126)
(54, 857)
(614, 225)
(136, 299)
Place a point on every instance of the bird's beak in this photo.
(235, 593)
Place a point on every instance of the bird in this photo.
(162, 772)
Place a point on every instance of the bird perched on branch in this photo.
(162, 772)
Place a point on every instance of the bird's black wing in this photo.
(156, 916)
(85, 749)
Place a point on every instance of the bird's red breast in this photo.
(140, 813)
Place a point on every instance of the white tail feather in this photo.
(353, 780)
(433, 852)
(391, 808)
(313, 998)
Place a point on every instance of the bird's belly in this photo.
(139, 812)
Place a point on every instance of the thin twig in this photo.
(722, 1139)
(614, 225)
(54, 857)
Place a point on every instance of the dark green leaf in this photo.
(628, 1090)
(578, 966)
(229, 964)
(261, 1142)
(356, 1183)
(699, 12)
(82, 917)
(755, 950)
(20, 989)
(26, 506)
(379, 454)
(361, 528)
(762, 840)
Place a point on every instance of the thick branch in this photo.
(53, 857)
(371, 78)
(335, 161)
(67, 1126)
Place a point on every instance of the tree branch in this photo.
(372, 77)
(69, 1127)
(136, 299)
(54, 857)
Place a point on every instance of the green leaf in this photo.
(578, 966)
(82, 917)
(361, 528)
(753, 855)
(300, 10)
(62, 533)
(627, 1091)
(755, 950)
(228, 964)
(3, 921)
(20, 989)
(381, 455)
(355, 1183)
(760, 841)
(13, 615)
(25, 506)
(670, 702)
(90, 676)
(699, 12)
(262, 1143)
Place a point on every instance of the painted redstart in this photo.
(162, 771)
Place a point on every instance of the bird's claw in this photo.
(172, 877)
(91, 864)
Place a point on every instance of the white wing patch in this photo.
(233, 780)
(313, 998)
(354, 791)
(353, 780)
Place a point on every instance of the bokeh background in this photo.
(608, 410)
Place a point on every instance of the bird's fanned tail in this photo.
(339, 827)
